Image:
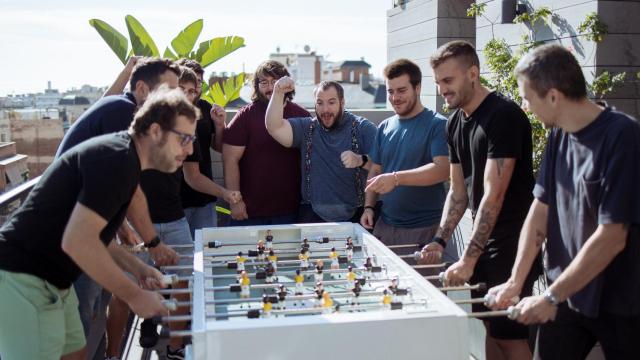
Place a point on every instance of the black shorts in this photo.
(572, 336)
(494, 268)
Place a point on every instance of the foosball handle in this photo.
(171, 304)
(513, 312)
(149, 332)
(214, 244)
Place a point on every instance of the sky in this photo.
(44, 41)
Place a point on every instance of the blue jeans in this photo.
(265, 220)
(201, 217)
(177, 233)
(92, 301)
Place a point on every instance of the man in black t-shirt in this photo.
(198, 189)
(66, 224)
(587, 207)
(490, 153)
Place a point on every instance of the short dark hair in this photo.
(552, 66)
(324, 85)
(187, 75)
(401, 67)
(163, 106)
(457, 49)
(271, 68)
(191, 64)
(149, 70)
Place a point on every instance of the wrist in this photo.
(396, 180)
(364, 159)
(440, 241)
(552, 297)
(153, 242)
(369, 207)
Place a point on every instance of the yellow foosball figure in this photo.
(386, 298)
(240, 259)
(244, 284)
(333, 256)
(327, 302)
(266, 306)
(299, 279)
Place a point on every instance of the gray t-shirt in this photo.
(332, 190)
(589, 178)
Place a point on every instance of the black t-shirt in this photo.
(205, 130)
(163, 192)
(498, 128)
(109, 114)
(101, 174)
(589, 178)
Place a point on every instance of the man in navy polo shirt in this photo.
(587, 206)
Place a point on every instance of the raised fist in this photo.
(285, 84)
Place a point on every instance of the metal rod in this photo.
(403, 246)
(511, 312)
(430, 266)
(478, 286)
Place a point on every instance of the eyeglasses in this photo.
(185, 139)
(191, 92)
(265, 82)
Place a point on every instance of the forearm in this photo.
(274, 119)
(454, 207)
(532, 236)
(486, 217)
(371, 197)
(125, 260)
(232, 174)
(425, 175)
(596, 254)
(204, 185)
(119, 84)
(138, 215)
(216, 144)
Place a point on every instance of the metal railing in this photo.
(12, 199)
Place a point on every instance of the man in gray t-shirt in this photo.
(587, 207)
(332, 147)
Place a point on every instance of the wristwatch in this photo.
(153, 243)
(365, 158)
(551, 298)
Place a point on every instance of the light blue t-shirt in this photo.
(333, 193)
(403, 144)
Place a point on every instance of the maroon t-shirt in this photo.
(269, 172)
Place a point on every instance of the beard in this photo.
(410, 106)
(328, 116)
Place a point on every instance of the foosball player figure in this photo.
(304, 260)
(318, 275)
(269, 240)
(240, 259)
(356, 291)
(319, 289)
(269, 274)
(367, 266)
(349, 248)
(273, 260)
(299, 279)
(333, 255)
(351, 278)
(386, 299)
(244, 285)
(326, 302)
(282, 296)
(266, 306)
(261, 250)
(393, 289)
(305, 244)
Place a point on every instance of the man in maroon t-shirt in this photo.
(266, 173)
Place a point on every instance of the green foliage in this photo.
(228, 92)
(116, 41)
(605, 83)
(593, 28)
(541, 15)
(476, 9)
(182, 46)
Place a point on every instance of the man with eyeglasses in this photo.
(266, 173)
(115, 112)
(67, 224)
(198, 194)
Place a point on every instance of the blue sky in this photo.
(52, 40)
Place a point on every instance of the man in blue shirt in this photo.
(587, 206)
(332, 147)
(409, 165)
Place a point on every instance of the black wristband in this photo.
(365, 158)
(370, 207)
(440, 241)
(153, 243)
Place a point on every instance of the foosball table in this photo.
(313, 291)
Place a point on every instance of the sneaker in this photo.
(175, 354)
